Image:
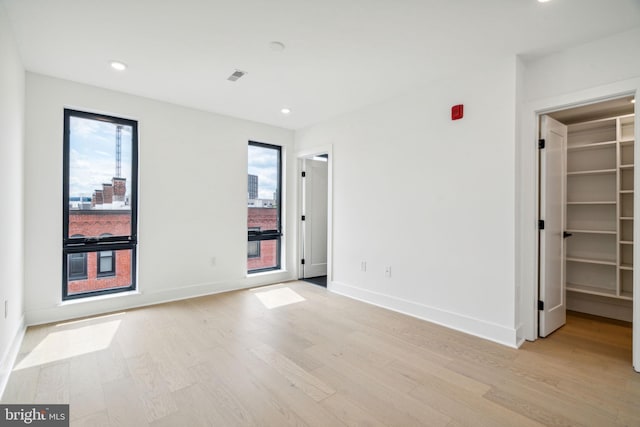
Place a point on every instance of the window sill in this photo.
(266, 273)
(98, 298)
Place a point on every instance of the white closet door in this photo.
(552, 211)
(315, 188)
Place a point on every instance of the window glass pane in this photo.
(100, 170)
(263, 207)
(94, 279)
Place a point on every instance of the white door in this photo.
(552, 211)
(314, 226)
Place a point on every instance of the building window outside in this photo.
(253, 248)
(100, 204)
(106, 263)
(264, 207)
(77, 264)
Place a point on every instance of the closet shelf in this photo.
(592, 203)
(593, 172)
(591, 261)
(599, 208)
(594, 146)
(626, 295)
(592, 231)
(592, 290)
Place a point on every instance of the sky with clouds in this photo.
(264, 163)
(92, 159)
(92, 155)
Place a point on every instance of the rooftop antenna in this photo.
(118, 151)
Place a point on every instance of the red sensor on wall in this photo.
(457, 112)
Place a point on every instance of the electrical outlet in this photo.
(363, 265)
(6, 308)
(213, 261)
(387, 271)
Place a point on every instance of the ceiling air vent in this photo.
(236, 75)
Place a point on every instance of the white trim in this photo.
(469, 325)
(527, 190)
(135, 300)
(10, 356)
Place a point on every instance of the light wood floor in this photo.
(228, 360)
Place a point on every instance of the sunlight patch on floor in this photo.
(278, 297)
(71, 341)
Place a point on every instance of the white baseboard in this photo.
(9, 358)
(126, 301)
(480, 328)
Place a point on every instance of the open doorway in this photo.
(314, 218)
(586, 213)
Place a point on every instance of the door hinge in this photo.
(304, 217)
(541, 144)
(302, 261)
(304, 174)
(541, 224)
(540, 305)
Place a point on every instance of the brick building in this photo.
(262, 254)
(108, 214)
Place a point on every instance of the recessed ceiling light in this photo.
(117, 65)
(633, 101)
(276, 46)
(286, 111)
(543, 1)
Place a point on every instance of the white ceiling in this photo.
(340, 54)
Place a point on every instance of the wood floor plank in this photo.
(298, 377)
(53, 384)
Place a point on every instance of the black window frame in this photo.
(86, 245)
(264, 235)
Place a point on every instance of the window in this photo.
(253, 248)
(264, 208)
(77, 265)
(100, 204)
(106, 261)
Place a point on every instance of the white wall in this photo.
(583, 67)
(430, 197)
(192, 198)
(590, 72)
(12, 88)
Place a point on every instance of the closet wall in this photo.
(600, 208)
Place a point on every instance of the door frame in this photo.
(301, 155)
(527, 204)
